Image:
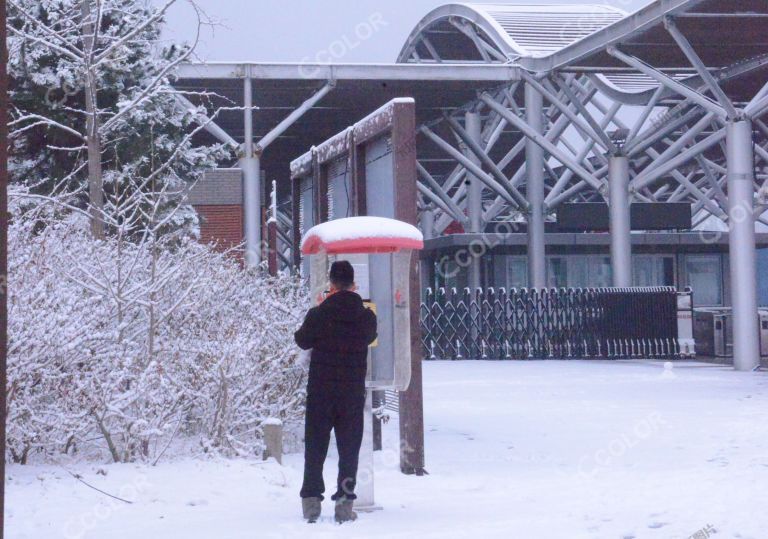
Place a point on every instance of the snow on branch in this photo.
(115, 354)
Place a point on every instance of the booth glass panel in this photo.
(379, 191)
(380, 272)
(339, 189)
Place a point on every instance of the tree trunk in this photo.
(107, 437)
(93, 139)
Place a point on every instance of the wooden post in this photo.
(272, 247)
(411, 400)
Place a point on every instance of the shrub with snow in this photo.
(119, 348)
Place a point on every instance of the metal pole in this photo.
(621, 239)
(534, 165)
(251, 167)
(272, 233)
(474, 195)
(428, 223)
(746, 339)
(364, 488)
(378, 402)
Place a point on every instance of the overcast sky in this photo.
(307, 30)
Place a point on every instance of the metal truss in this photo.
(558, 137)
(555, 131)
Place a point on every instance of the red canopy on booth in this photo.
(365, 234)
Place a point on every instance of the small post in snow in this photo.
(273, 439)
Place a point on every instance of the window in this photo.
(762, 277)
(653, 270)
(578, 271)
(508, 271)
(450, 274)
(599, 271)
(557, 272)
(517, 272)
(704, 274)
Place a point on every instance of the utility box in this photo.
(704, 332)
(723, 333)
(686, 342)
(713, 332)
(763, 321)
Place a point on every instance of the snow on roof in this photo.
(361, 235)
(383, 113)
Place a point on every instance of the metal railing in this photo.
(550, 323)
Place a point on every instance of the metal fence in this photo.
(550, 323)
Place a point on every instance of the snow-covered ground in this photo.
(514, 449)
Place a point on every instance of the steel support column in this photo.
(534, 164)
(741, 190)
(621, 239)
(428, 230)
(428, 222)
(474, 129)
(251, 167)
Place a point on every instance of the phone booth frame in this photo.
(359, 240)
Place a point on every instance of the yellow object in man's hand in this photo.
(372, 306)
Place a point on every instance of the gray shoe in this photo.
(344, 512)
(311, 508)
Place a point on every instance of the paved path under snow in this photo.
(526, 450)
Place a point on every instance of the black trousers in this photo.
(338, 405)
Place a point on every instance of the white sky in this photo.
(305, 30)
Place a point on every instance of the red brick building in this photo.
(218, 200)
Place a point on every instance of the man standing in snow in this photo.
(338, 331)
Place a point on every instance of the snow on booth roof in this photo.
(361, 235)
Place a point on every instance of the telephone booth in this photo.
(380, 251)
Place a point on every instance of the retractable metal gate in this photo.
(550, 323)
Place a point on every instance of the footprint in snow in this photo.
(195, 503)
(657, 525)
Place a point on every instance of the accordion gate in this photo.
(552, 323)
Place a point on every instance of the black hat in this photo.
(342, 274)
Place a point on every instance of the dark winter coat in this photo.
(338, 331)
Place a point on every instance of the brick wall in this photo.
(218, 187)
(221, 224)
(218, 200)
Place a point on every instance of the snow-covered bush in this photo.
(117, 348)
(125, 334)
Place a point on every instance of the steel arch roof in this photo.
(520, 31)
